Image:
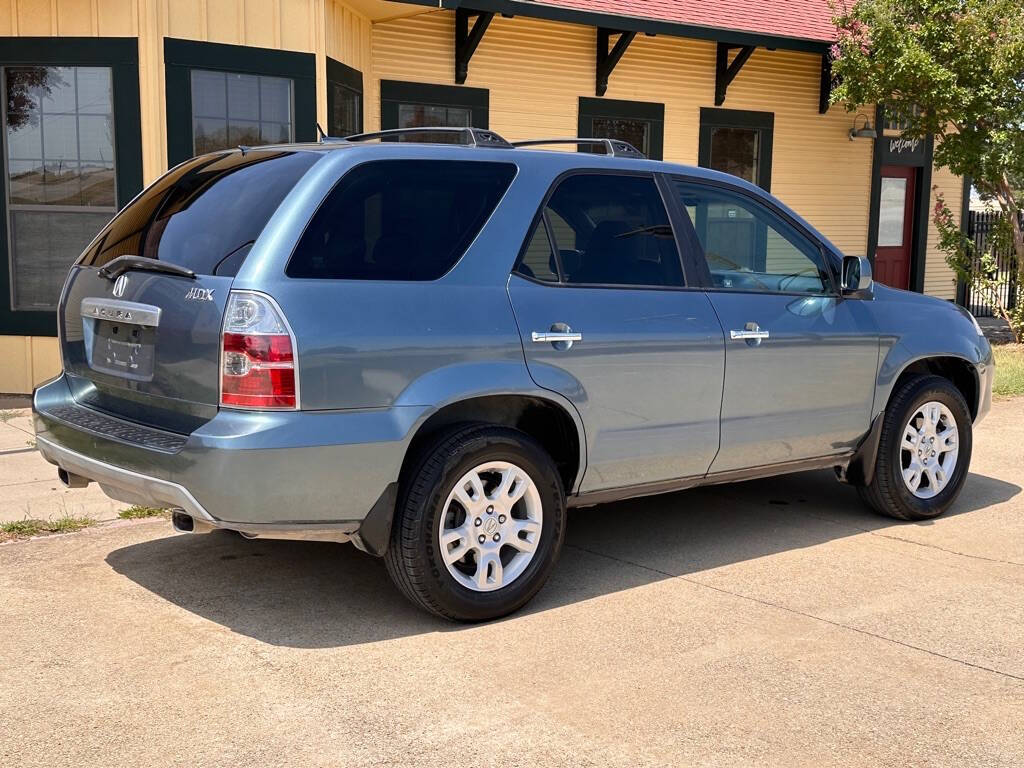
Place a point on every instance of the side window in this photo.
(538, 259)
(610, 230)
(748, 247)
(374, 224)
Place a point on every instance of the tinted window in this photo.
(203, 213)
(400, 220)
(612, 230)
(748, 247)
(538, 259)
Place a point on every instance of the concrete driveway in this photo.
(770, 623)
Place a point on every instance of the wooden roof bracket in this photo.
(606, 60)
(466, 39)
(725, 72)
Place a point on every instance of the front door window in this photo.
(59, 170)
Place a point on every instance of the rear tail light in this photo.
(258, 360)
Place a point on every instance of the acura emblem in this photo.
(120, 284)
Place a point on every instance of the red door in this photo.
(895, 226)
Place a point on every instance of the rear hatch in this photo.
(141, 315)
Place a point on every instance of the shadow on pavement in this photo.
(317, 595)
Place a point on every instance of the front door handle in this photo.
(750, 332)
(561, 336)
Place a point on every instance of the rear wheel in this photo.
(924, 451)
(479, 525)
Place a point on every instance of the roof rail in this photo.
(613, 147)
(475, 137)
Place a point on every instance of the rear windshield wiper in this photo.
(129, 262)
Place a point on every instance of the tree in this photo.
(954, 69)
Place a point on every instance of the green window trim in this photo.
(649, 112)
(121, 54)
(763, 122)
(396, 92)
(182, 56)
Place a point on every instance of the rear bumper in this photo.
(257, 472)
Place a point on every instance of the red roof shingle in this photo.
(800, 19)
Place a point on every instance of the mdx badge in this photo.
(200, 294)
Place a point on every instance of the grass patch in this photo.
(21, 529)
(137, 512)
(6, 416)
(1009, 370)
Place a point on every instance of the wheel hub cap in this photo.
(490, 526)
(929, 450)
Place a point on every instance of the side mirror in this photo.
(857, 282)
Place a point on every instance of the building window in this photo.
(344, 99)
(639, 123)
(231, 109)
(419, 105)
(60, 173)
(222, 96)
(70, 156)
(738, 143)
(894, 122)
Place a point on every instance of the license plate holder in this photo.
(123, 349)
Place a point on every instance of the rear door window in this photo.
(206, 213)
(400, 220)
(606, 230)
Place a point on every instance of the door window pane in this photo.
(375, 225)
(891, 212)
(736, 151)
(613, 230)
(59, 166)
(748, 247)
(635, 132)
(230, 108)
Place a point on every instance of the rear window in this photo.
(400, 220)
(206, 213)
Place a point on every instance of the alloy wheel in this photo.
(490, 526)
(929, 449)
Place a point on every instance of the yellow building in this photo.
(101, 96)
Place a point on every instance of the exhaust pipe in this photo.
(72, 480)
(185, 523)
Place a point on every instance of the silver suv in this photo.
(433, 349)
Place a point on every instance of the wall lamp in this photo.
(865, 132)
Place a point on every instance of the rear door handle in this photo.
(750, 332)
(551, 336)
(560, 336)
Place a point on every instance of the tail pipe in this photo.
(70, 479)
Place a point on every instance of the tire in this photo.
(889, 493)
(427, 509)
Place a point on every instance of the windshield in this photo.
(206, 213)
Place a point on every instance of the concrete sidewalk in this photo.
(29, 487)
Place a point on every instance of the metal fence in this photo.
(979, 225)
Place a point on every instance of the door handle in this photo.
(561, 336)
(750, 332)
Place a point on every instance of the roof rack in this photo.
(475, 137)
(613, 147)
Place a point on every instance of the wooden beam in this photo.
(725, 72)
(466, 39)
(606, 60)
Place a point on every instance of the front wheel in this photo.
(924, 451)
(479, 525)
